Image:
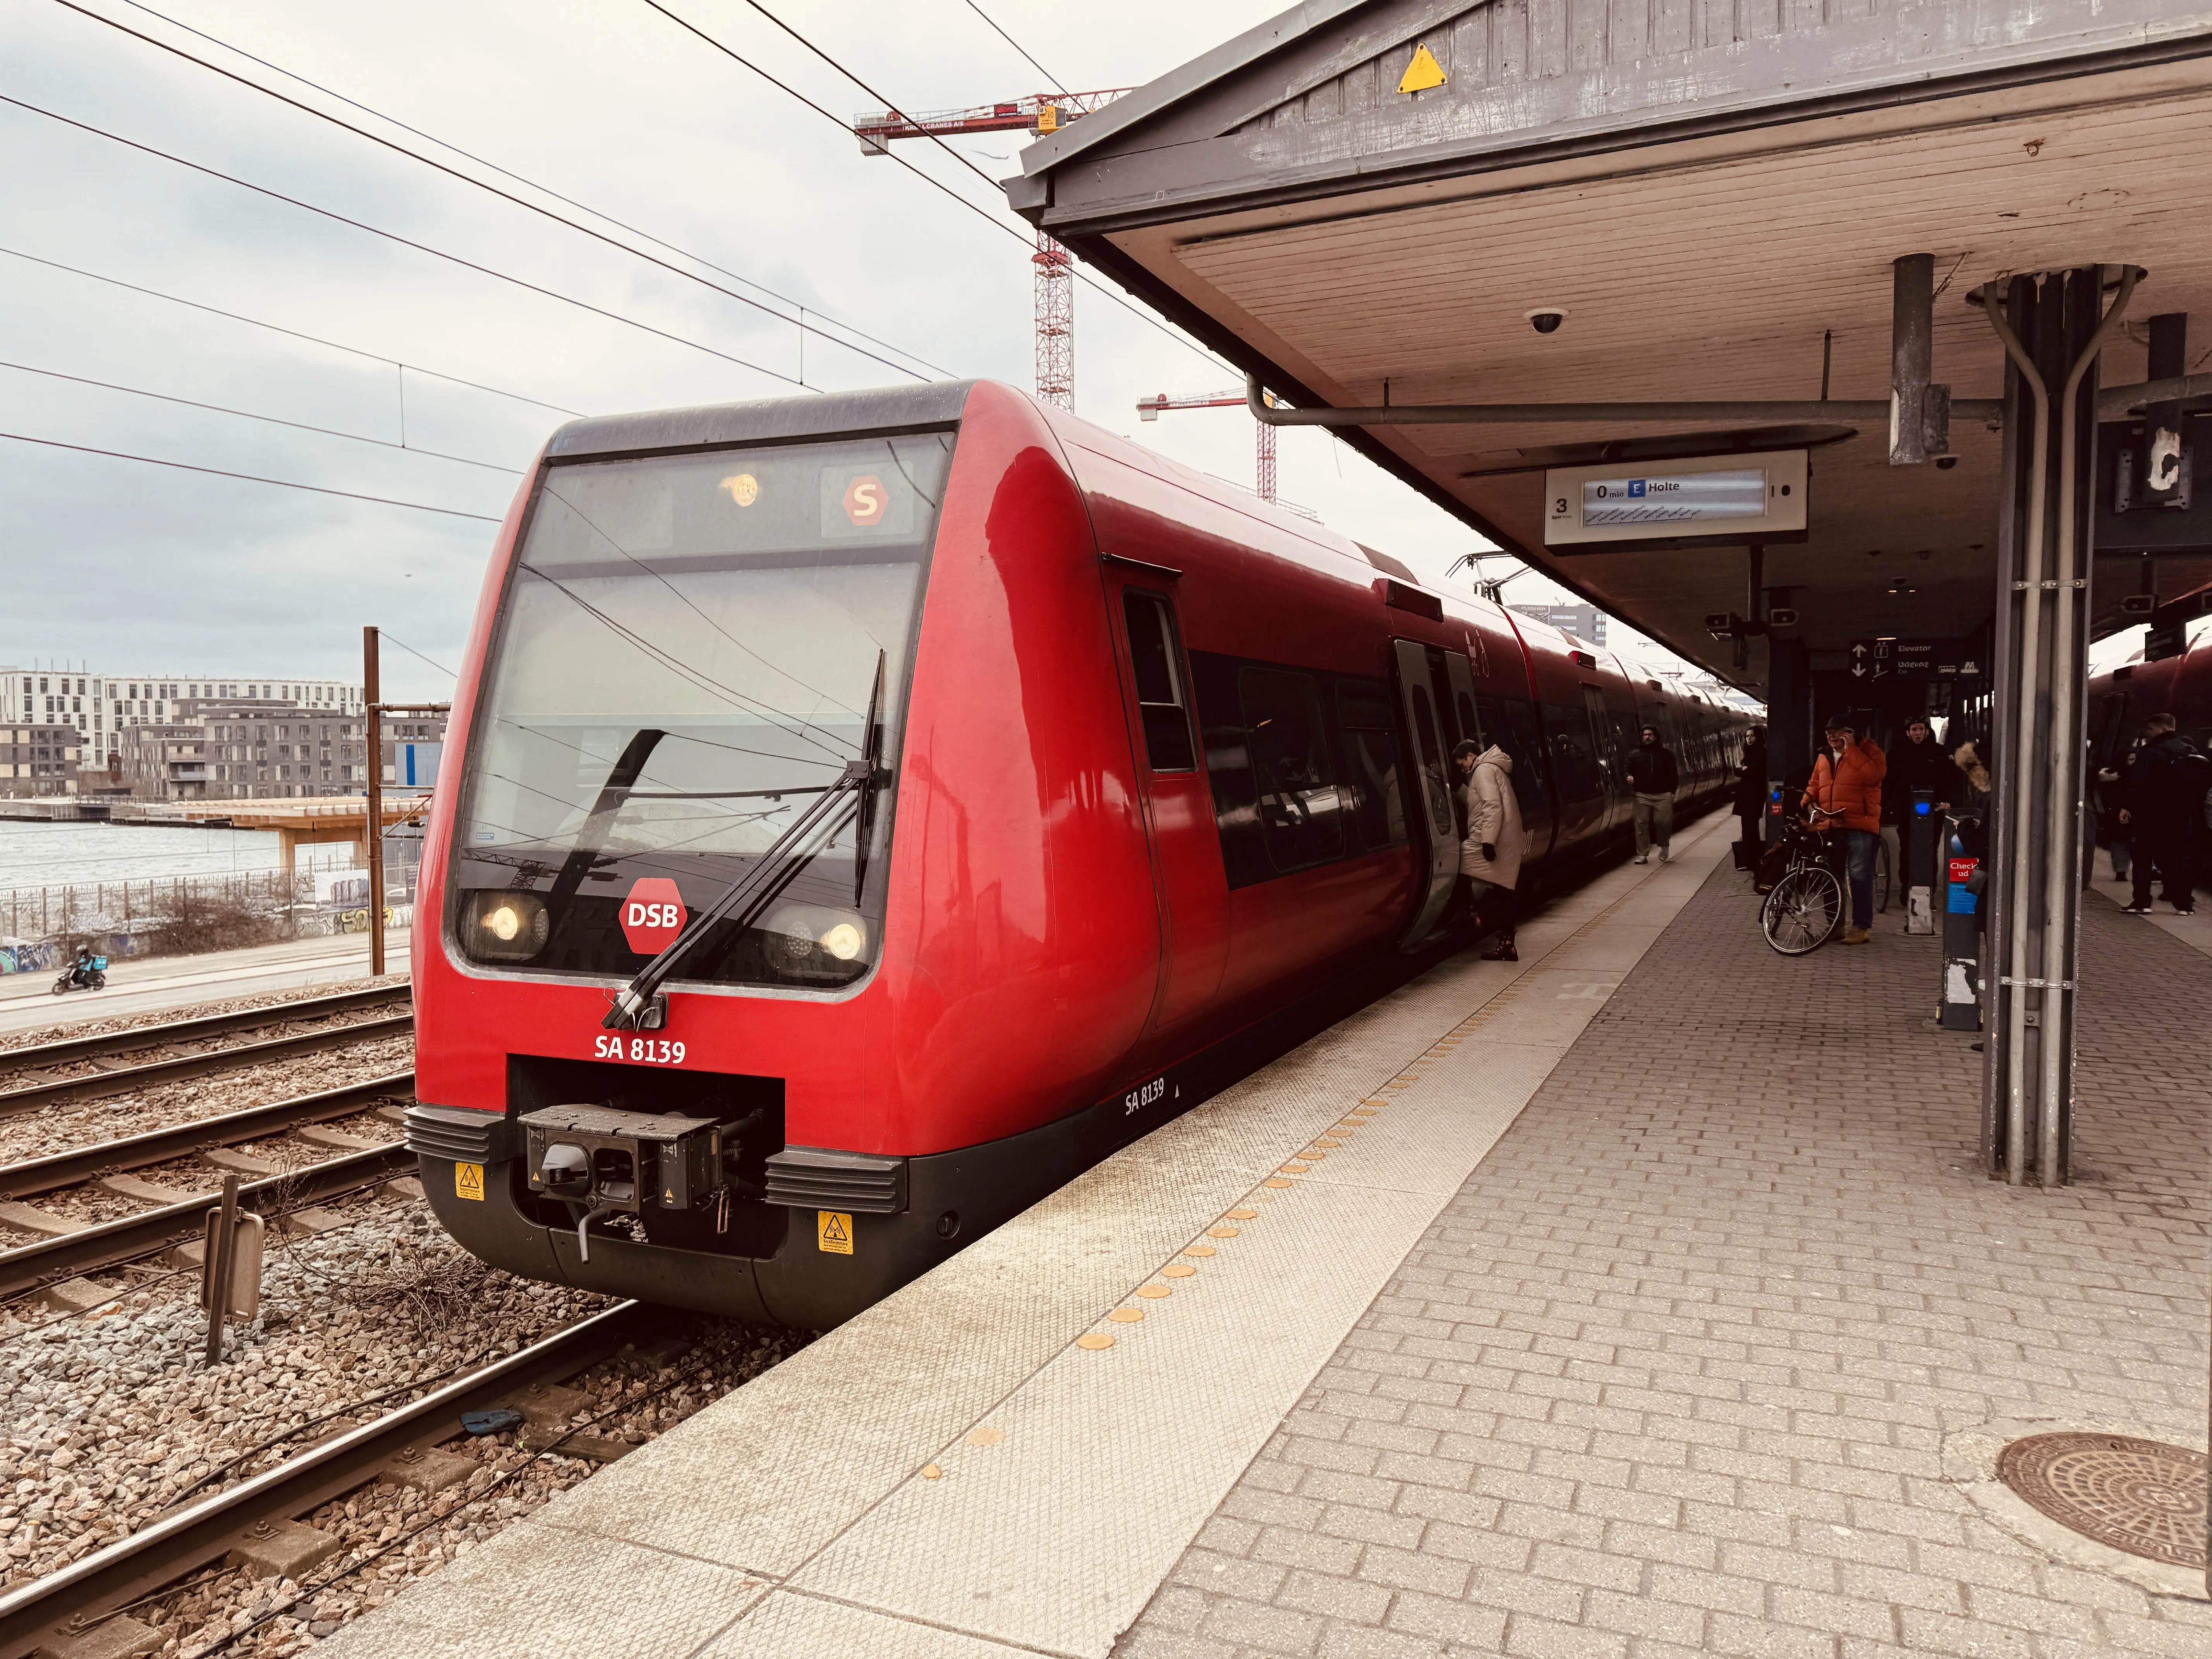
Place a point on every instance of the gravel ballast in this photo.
(111, 1418)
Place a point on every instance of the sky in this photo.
(453, 348)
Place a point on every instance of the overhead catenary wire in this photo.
(250, 477)
(391, 638)
(279, 328)
(403, 241)
(804, 309)
(248, 414)
(984, 213)
(1053, 82)
(481, 184)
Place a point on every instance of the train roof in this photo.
(768, 420)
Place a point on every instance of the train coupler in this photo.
(602, 1162)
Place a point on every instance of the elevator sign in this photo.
(652, 915)
(1694, 501)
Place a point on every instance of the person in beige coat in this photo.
(1490, 857)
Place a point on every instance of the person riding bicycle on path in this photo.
(1653, 775)
(1490, 857)
(1846, 784)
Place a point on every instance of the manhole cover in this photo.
(2140, 1496)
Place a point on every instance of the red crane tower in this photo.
(1148, 409)
(1040, 113)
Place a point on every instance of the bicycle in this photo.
(1806, 905)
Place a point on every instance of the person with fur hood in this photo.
(1490, 857)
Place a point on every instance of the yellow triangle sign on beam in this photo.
(1422, 72)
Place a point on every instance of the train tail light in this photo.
(506, 927)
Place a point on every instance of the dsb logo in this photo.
(653, 915)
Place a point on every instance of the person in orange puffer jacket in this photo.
(1847, 782)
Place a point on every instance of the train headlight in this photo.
(506, 927)
(815, 942)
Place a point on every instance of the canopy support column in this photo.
(2053, 327)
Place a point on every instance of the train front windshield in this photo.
(686, 659)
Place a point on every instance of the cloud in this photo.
(138, 567)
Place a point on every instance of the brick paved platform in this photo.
(1701, 1357)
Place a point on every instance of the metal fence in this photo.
(40, 927)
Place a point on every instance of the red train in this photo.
(876, 804)
(2180, 686)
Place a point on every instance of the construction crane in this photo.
(1040, 113)
(1148, 409)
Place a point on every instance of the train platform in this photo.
(1640, 1298)
(148, 985)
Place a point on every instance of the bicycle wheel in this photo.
(1803, 910)
(1882, 876)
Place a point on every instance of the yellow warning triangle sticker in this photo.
(1422, 72)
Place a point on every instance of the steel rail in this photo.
(71, 1599)
(191, 1030)
(32, 1096)
(109, 1244)
(59, 1169)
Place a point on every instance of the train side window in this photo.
(1373, 765)
(1160, 698)
(1301, 806)
(1229, 769)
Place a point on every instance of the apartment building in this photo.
(258, 752)
(100, 707)
(38, 759)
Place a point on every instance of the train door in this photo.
(1416, 691)
(1459, 681)
(1186, 850)
(1605, 744)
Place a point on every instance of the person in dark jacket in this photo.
(1750, 804)
(2165, 810)
(1654, 777)
(1918, 763)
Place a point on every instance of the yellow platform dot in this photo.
(1297, 1169)
(1277, 1182)
(1200, 1251)
(1154, 1292)
(985, 1436)
(931, 1472)
(1325, 1141)
(1311, 1156)
(1125, 1316)
(1243, 1215)
(1180, 1270)
(1094, 1341)
(1223, 1232)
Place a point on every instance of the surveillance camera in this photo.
(1545, 319)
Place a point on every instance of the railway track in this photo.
(177, 1214)
(48, 1090)
(74, 1599)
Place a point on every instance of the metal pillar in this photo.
(2052, 326)
(1789, 721)
(373, 828)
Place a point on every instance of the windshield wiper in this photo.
(642, 1006)
(599, 824)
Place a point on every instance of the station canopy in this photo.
(1363, 202)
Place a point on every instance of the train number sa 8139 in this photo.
(650, 1051)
